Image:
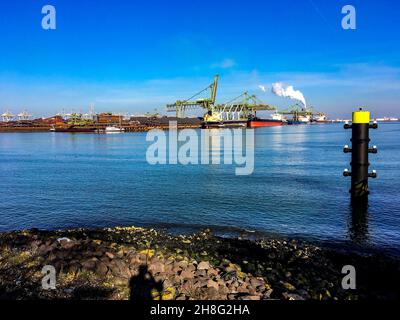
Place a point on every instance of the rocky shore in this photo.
(142, 264)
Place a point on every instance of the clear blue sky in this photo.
(134, 56)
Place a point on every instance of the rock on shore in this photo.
(143, 264)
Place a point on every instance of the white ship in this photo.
(303, 119)
(320, 118)
(113, 129)
(278, 116)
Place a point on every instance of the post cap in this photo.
(361, 116)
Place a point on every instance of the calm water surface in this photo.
(58, 180)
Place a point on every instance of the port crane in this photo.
(196, 101)
(23, 116)
(7, 116)
(239, 108)
(298, 112)
(317, 114)
(242, 107)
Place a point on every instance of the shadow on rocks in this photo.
(142, 285)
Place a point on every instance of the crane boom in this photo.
(242, 107)
(180, 106)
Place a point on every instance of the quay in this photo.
(98, 124)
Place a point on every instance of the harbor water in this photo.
(62, 180)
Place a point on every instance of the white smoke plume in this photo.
(288, 92)
(263, 88)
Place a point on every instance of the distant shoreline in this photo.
(135, 124)
(127, 128)
(104, 263)
(131, 128)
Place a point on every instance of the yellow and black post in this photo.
(359, 154)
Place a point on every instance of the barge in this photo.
(72, 129)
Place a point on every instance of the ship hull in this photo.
(293, 122)
(225, 124)
(265, 123)
(74, 129)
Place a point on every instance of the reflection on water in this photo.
(276, 139)
(218, 147)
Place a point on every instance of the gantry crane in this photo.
(299, 112)
(240, 108)
(180, 107)
(7, 116)
(243, 107)
(23, 116)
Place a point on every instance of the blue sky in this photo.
(136, 56)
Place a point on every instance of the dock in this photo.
(136, 124)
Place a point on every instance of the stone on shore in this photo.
(127, 262)
(203, 265)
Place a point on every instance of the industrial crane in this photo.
(240, 108)
(194, 102)
(301, 113)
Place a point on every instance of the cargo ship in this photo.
(225, 124)
(256, 123)
(319, 118)
(251, 123)
(300, 120)
(277, 120)
(216, 120)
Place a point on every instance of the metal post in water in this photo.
(360, 150)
